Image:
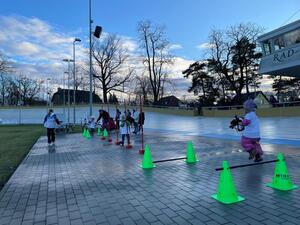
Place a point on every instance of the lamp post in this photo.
(68, 83)
(91, 79)
(74, 80)
(68, 95)
(48, 91)
(64, 95)
(97, 34)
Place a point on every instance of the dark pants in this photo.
(105, 124)
(51, 135)
(136, 127)
(123, 139)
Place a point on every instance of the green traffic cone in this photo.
(190, 153)
(281, 179)
(88, 135)
(99, 131)
(147, 162)
(105, 134)
(84, 133)
(226, 189)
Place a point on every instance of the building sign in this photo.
(281, 61)
(284, 56)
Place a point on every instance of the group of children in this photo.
(123, 122)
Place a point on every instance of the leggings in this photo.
(51, 135)
(251, 143)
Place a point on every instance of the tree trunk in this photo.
(247, 81)
(155, 96)
(104, 91)
(3, 97)
(223, 89)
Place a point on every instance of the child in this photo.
(136, 121)
(251, 134)
(50, 122)
(91, 125)
(105, 118)
(124, 129)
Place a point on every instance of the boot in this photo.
(258, 158)
(251, 154)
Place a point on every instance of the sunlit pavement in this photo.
(82, 181)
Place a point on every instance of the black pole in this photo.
(167, 160)
(250, 164)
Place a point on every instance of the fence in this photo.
(276, 109)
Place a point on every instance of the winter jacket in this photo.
(50, 121)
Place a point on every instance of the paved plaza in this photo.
(82, 181)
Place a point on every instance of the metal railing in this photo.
(279, 104)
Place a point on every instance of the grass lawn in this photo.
(15, 143)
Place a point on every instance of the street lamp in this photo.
(97, 34)
(74, 79)
(48, 91)
(64, 95)
(68, 74)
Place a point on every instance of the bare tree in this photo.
(233, 56)
(166, 81)
(3, 87)
(4, 77)
(27, 88)
(111, 57)
(155, 57)
(82, 79)
(13, 93)
(3, 64)
(244, 53)
(143, 87)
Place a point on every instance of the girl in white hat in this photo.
(124, 130)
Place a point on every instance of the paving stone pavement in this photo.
(90, 182)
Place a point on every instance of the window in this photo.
(279, 43)
(267, 47)
(292, 37)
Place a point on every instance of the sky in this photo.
(36, 35)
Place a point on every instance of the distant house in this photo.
(259, 98)
(82, 97)
(171, 101)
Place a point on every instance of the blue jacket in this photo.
(50, 121)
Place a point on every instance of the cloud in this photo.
(179, 64)
(33, 41)
(36, 48)
(175, 46)
(128, 43)
(205, 45)
(26, 48)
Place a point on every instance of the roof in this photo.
(252, 95)
(61, 90)
(169, 100)
(171, 97)
(279, 31)
(81, 96)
